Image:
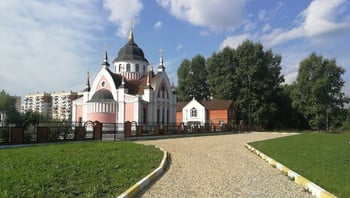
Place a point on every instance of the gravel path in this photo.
(219, 166)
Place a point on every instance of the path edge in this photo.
(144, 182)
(308, 185)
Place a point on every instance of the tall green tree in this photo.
(8, 105)
(192, 80)
(318, 92)
(221, 73)
(259, 77)
(286, 116)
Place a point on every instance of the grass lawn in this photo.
(85, 169)
(322, 158)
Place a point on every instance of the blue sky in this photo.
(50, 45)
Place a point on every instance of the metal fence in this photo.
(70, 131)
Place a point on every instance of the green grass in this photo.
(322, 158)
(86, 169)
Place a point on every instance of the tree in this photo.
(192, 80)
(183, 88)
(8, 105)
(286, 116)
(221, 72)
(318, 92)
(258, 76)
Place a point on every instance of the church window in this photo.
(128, 67)
(144, 69)
(137, 68)
(120, 67)
(103, 84)
(193, 112)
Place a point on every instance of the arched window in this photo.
(128, 67)
(120, 68)
(137, 68)
(193, 112)
(144, 69)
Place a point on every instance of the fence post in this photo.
(139, 131)
(43, 134)
(165, 130)
(127, 129)
(79, 133)
(17, 135)
(98, 130)
(157, 130)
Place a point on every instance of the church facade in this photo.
(127, 90)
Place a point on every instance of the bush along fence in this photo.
(44, 132)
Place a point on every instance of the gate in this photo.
(89, 130)
(113, 131)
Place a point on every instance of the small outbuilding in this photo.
(213, 112)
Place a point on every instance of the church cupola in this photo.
(131, 61)
(105, 63)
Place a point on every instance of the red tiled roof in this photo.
(217, 104)
(210, 105)
(180, 106)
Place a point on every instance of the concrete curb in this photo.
(302, 181)
(140, 185)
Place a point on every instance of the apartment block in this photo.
(62, 104)
(58, 106)
(37, 102)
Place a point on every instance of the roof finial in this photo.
(161, 65)
(106, 49)
(105, 63)
(148, 82)
(148, 76)
(87, 86)
(131, 35)
(161, 56)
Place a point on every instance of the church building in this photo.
(127, 90)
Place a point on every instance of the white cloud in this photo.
(290, 77)
(266, 28)
(179, 47)
(249, 26)
(158, 25)
(318, 19)
(204, 33)
(123, 13)
(234, 41)
(262, 15)
(45, 45)
(216, 15)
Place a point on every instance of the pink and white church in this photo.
(127, 90)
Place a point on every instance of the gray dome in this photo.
(130, 52)
(102, 95)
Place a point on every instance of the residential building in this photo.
(57, 106)
(38, 102)
(62, 104)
